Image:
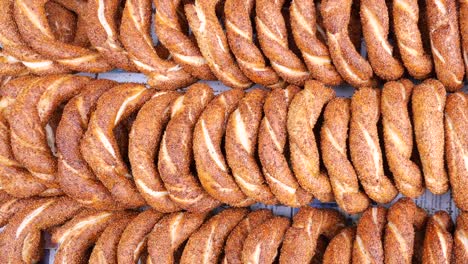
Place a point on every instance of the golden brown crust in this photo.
(303, 113)
(62, 21)
(273, 39)
(402, 220)
(32, 23)
(463, 19)
(442, 21)
(99, 144)
(375, 27)
(262, 244)
(10, 206)
(368, 246)
(11, 66)
(398, 137)
(300, 240)
(456, 146)
(175, 154)
(134, 238)
(460, 246)
(74, 175)
(340, 248)
(235, 241)
(239, 33)
(213, 44)
(213, 172)
(135, 36)
(271, 147)
(241, 147)
(428, 103)
(350, 64)
(206, 244)
(438, 240)
(170, 233)
(314, 51)
(333, 144)
(144, 140)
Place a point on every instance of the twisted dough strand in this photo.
(368, 246)
(438, 241)
(460, 246)
(340, 248)
(463, 19)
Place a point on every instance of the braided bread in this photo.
(352, 67)
(99, 144)
(206, 244)
(213, 173)
(456, 146)
(73, 174)
(300, 241)
(340, 248)
(463, 19)
(239, 33)
(273, 38)
(398, 137)
(35, 30)
(263, 242)
(213, 43)
(135, 36)
(365, 147)
(333, 138)
(271, 147)
(175, 154)
(428, 103)
(303, 113)
(145, 136)
(438, 240)
(442, 21)
(368, 246)
(375, 27)
(170, 233)
(403, 218)
(240, 144)
(235, 241)
(460, 247)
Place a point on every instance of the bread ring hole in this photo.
(51, 128)
(62, 21)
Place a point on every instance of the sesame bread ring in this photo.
(206, 244)
(402, 219)
(75, 237)
(74, 175)
(398, 137)
(144, 140)
(105, 249)
(241, 147)
(375, 28)
(262, 243)
(442, 21)
(239, 33)
(303, 113)
(175, 154)
(272, 138)
(365, 147)
(300, 241)
(463, 18)
(273, 38)
(368, 246)
(438, 242)
(103, 32)
(134, 238)
(14, 45)
(352, 67)
(99, 145)
(340, 248)
(169, 234)
(171, 33)
(314, 50)
(428, 104)
(213, 43)
(460, 248)
(333, 144)
(456, 146)
(235, 241)
(213, 172)
(32, 111)
(408, 38)
(35, 30)
(136, 38)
